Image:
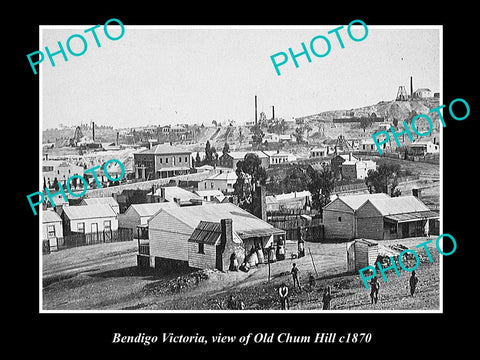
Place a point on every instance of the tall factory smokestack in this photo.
(255, 109)
(411, 87)
(93, 131)
(118, 134)
(273, 111)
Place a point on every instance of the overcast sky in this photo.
(189, 75)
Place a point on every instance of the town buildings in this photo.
(162, 161)
(222, 181)
(377, 217)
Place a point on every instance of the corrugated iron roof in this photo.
(206, 233)
(89, 211)
(413, 216)
(244, 223)
(398, 205)
(355, 201)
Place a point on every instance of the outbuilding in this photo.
(52, 229)
(361, 253)
(394, 218)
(339, 215)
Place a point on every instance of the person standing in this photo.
(301, 245)
(375, 286)
(413, 282)
(283, 292)
(295, 276)
(327, 297)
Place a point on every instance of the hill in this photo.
(389, 110)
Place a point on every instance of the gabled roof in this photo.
(100, 200)
(165, 149)
(212, 192)
(50, 216)
(223, 176)
(244, 224)
(355, 201)
(149, 209)
(366, 242)
(206, 233)
(175, 192)
(398, 205)
(89, 211)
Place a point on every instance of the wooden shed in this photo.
(361, 253)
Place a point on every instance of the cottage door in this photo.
(94, 233)
(219, 257)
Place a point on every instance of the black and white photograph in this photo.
(206, 185)
(235, 180)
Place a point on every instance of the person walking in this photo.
(413, 282)
(327, 297)
(295, 276)
(283, 292)
(375, 286)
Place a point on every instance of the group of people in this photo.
(283, 290)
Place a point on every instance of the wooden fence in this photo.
(100, 237)
(293, 226)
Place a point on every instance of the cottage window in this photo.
(186, 159)
(211, 185)
(81, 227)
(51, 231)
(107, 225)
(179, 159)
(201, 248)
(161, 160)
(166, 160)
(339, 218)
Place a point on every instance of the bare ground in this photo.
(105, 277)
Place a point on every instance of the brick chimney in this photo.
(227, 246)
(227, 231)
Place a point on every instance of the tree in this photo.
(198, 160)
(226, 149)
(365, 122)
(257, 137)
(250, 174)
(383, 179)
(299, 132)
(208, 154)
(321, 186)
